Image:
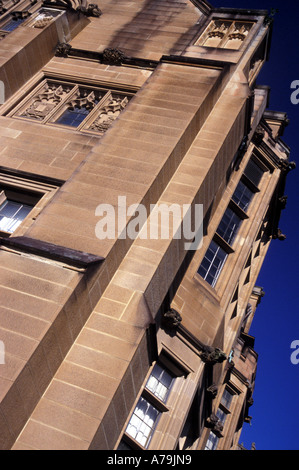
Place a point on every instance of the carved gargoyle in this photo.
(213, 355)
(63, 49)
(259, 135)
(212, 391)
(214, 423)
(113, 56)
(80, 6)
(283, 202)
(92, 10)
(172, 318)
(279, 235)
(2, 9)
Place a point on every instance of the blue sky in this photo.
(275, 410)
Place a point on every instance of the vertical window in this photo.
(142, 422)
(212, 263)
(148, 410)
(222, 414)
(253, 172)
(221, 245)
(160, 382)
(212, 442)
(226, 398)
(242, 196)
(229, 226)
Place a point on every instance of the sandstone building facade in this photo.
(123, 342)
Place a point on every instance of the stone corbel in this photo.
(63, 49)
(2, 9)
(171, 319)
(212, 390)
(214, 423)
(20, 14)
(283, 202)
(212, 355)
(113, 56)
(259, 135)
(81, 6)
(279, 235)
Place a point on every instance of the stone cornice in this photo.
(51, 251)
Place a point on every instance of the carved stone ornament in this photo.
(108, 114)
(212, 390)
(20, 14)
(214, 423)
(2, 9)
(80, 6)
(283, 201)
(113, 56)
(172, 318)
(45, 101)
(213, 355)
(219, 29)
(42, 20)
(281, 236)
(83, 99)
(259, 134)
(91, 10)
(63, 49)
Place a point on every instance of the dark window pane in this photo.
(124, 446)
(226, 399)
(221, 415)
(229, 226)
(73, 117)
(12, 24)
(216, 257)
(242, 196)
(253, 172)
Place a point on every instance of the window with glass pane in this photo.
(242, 196)
(84, 108)
(12, 214)
(142, 422)
(212, 263)
(229, 226)
(221, 415)
(73, 117)
(253, 172)
(12, 24)
(160, 382)
(212, 442)
(226, 398)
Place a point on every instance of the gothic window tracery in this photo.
(84, 108)
(226, 34)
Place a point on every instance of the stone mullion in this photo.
(58, 108)
(93, 114)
